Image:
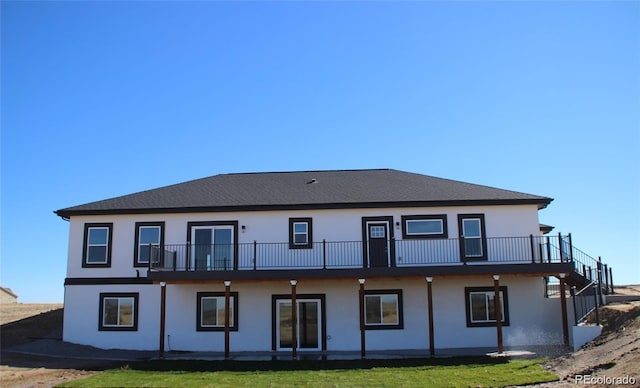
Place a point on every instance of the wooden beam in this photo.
(430, 310)
(227, 316)
(363, 351)
(294, 320)
(163, 302)
(498, 310)
(563, 306)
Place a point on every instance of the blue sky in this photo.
(100, 99)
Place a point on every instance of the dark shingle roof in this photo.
(305, 190)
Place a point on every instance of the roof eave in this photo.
(67, 213)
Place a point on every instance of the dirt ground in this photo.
(615, 353)
(22, 323)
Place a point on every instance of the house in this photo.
(318, 261)
(7, 296)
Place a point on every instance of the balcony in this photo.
(529, 254)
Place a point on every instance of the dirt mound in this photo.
(614, 354)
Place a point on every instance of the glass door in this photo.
(472, 237)
(212, 247)
(308, 328)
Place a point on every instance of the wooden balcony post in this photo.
(563, 306)
(362, 324)
(163, 302)
(430, 310)
(548, 250)
(498, 310)
(294, 320)
(570, 248)
(560, 247)
(149, 256)
(227, 316)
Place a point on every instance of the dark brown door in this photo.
(378, 245)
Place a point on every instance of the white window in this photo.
(211, 311)
(97, 240)
(481, 306)
(424, 226)
(118, 311)
(149, 241)
(383, 309)
(300, 233)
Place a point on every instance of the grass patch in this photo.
(448, 372)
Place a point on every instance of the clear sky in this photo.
(100, 99)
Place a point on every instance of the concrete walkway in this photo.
(54, 347)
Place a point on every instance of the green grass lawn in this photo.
(449, 372)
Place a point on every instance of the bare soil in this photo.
(24, 323)
(615, 353)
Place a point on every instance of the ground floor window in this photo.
(383, 309)
(118, 311)
(211, 311)
(480, 304)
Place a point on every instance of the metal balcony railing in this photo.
(354, 254)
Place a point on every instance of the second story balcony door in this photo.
(378, 242)
(212, 247)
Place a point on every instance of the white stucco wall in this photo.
(331, 225)
(534, 320)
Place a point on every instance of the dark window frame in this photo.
(309, 222)
(85, 242)
(504, 300)
(136, 300)
(397, 326)
(323, 313)
(136, 247)
(207, 294)
(441, 217)
(483, 231)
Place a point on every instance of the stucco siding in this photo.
(534, 320)
(273, 227)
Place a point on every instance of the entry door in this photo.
(309, 331)
(472, 237)
(212, 247)
(378, 244)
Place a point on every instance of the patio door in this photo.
(309, 328)
(212, 247)
(473, 242)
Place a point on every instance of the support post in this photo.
(563, 306)
(430, 310)
(163, 302)
(570, 253)
(533, 249)
(599, 269)
(498, 311)
(611, 280)
(572, 291)
(560, 247)
(294, 320)
(255, 255)
(149, 256)
(324, 254)
(227, 316)
(362, 325)
(548, 250)
(595, 299)
(606, 280)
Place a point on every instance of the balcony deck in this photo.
(531, 255)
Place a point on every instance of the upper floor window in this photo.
(480, 303)
(300, 233)
(149, 241)
(97, 245)
(427, 226)
(383, 309)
